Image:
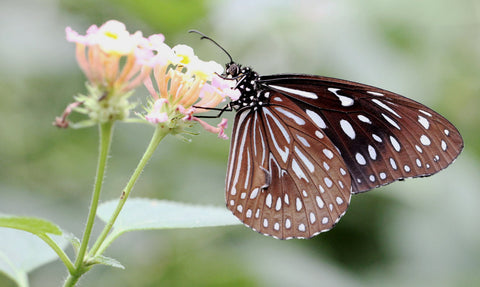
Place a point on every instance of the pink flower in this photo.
(111, 57)
(157, 115)
(220, 129)
(189, 84)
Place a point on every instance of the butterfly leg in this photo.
(227, 108)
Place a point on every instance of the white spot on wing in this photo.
(425, 113)
(301, 227)
(360, 159)
(254, 193)
(381, 104)
(283, 153)
(304, 159)
(377, 138)
(276, 226)
(320, 202)
(347, 128)
(303, 141)
(393, 163)
(345, 101)
(339, 200)
(364, 119)
(298, 120)
(375, 93)
(444, 145)
(425, 140)
(316, 119)
(424, 122)
(395, 143)
(328, 182)
(268, 200)
(300, 93)
(391, 121)
(298, 204)
(298, 171)
(328, 153)
(372, 152)
(419, 163)
(278, 206)
(288, 223)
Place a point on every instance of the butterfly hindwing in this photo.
(282, 179)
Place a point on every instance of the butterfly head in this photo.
(233, 69)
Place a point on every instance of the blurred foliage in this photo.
(415, 234)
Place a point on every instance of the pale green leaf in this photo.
(30, 224)
(144, 214)
(22, 252)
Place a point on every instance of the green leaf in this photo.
(146, 214)
(30, 224)
(107, 261)
(22, 252)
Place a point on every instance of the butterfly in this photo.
(301, 145)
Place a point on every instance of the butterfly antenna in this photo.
(203, 36)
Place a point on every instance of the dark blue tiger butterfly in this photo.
(302, 145)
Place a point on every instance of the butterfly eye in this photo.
(233, 70)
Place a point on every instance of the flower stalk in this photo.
(180, 85)
(160, 132)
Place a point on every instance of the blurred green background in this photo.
(422, 232)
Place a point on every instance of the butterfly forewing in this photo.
(382, 136)
(285, 178)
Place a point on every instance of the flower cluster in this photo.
(179, 83)
(183, 85)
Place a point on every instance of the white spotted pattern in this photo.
(395, 143)
(347, 129)
(372, 152)
(393, 163)
(268, 200)
(316, 118)
(298, 204)
(298, 120)
(425, 140)
(364, 119)
(391, 121)
(301, 227)
(424, 122)
(345, 101)
(360, 159)
(320, 202)
(328, 153)
(288, 223)
(328, 182)
(381, 104)
(300, 93)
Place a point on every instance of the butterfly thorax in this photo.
(252, 94)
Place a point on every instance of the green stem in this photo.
(63, 256)
(105, 130)
(158, 135)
